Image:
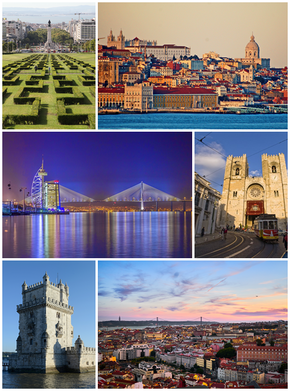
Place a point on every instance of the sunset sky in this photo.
(223, 291)
(224, 28)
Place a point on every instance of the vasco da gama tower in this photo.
(45, 194)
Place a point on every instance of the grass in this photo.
(48, 111)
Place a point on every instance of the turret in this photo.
(79, 344)
(45, 279)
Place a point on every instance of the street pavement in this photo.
(238, 245)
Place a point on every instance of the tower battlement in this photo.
(44, 300)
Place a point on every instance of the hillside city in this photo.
(238, 355)
(141, 75)
(76, 35)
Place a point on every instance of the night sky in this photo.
(99, 164)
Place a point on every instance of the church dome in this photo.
(252, 49)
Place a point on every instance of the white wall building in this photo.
(206, 206)
(85, 30)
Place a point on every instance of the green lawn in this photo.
(47, 118)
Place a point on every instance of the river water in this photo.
(99, 235)
(192, 121)
(41, 380)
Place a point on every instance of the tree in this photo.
(153, 353)
(199, 370)
(226, 353)
(283, 367)
(259, 342)
(228, 345)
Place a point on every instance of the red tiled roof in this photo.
(183, 91)
(119, 90)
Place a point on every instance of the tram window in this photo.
(265, 224)
(271, 224)
(260, 225)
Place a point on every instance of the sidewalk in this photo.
(207, 238)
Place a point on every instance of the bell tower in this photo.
(233, 195)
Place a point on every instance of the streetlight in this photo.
(24, 188)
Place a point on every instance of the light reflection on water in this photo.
(99, 235)
(42, 380)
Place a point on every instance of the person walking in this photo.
(285, 240)
(202, 232)
(225, 233)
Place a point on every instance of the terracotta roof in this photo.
(182, 91)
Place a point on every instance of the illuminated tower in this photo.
(37, 188)
(42, 173)
(45, 195)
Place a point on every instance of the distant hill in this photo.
(55, 14)
(136, 323)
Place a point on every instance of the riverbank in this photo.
(238, 110)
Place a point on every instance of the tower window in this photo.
(31, 341)
(237, 171)
(235, 193)
(274, 169)
(276, 193)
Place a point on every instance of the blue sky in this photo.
(80, 278)
(224, 291)
(210, 163)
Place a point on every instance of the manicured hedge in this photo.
(24, 119)
(93, 90)
(19, 99)
(10, 82)
(77, 98)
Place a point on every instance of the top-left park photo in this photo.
(48, 66)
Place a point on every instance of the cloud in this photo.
(103, 293)
(126, 290)
(174, 308)
(269, 312)
(208, 161)
(255, 173)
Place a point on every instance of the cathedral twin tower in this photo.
(245, 197)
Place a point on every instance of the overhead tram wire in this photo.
(269, 147)
(204, 176)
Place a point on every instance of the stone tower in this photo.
(245, 197)
(45, 329)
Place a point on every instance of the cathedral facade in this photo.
(45, 341)
(245, 197)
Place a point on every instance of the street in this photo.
(240, 245)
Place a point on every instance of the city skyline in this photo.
(184, 291)
(241, 20)
(77, 274)
(101, 164)
(211, 153)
